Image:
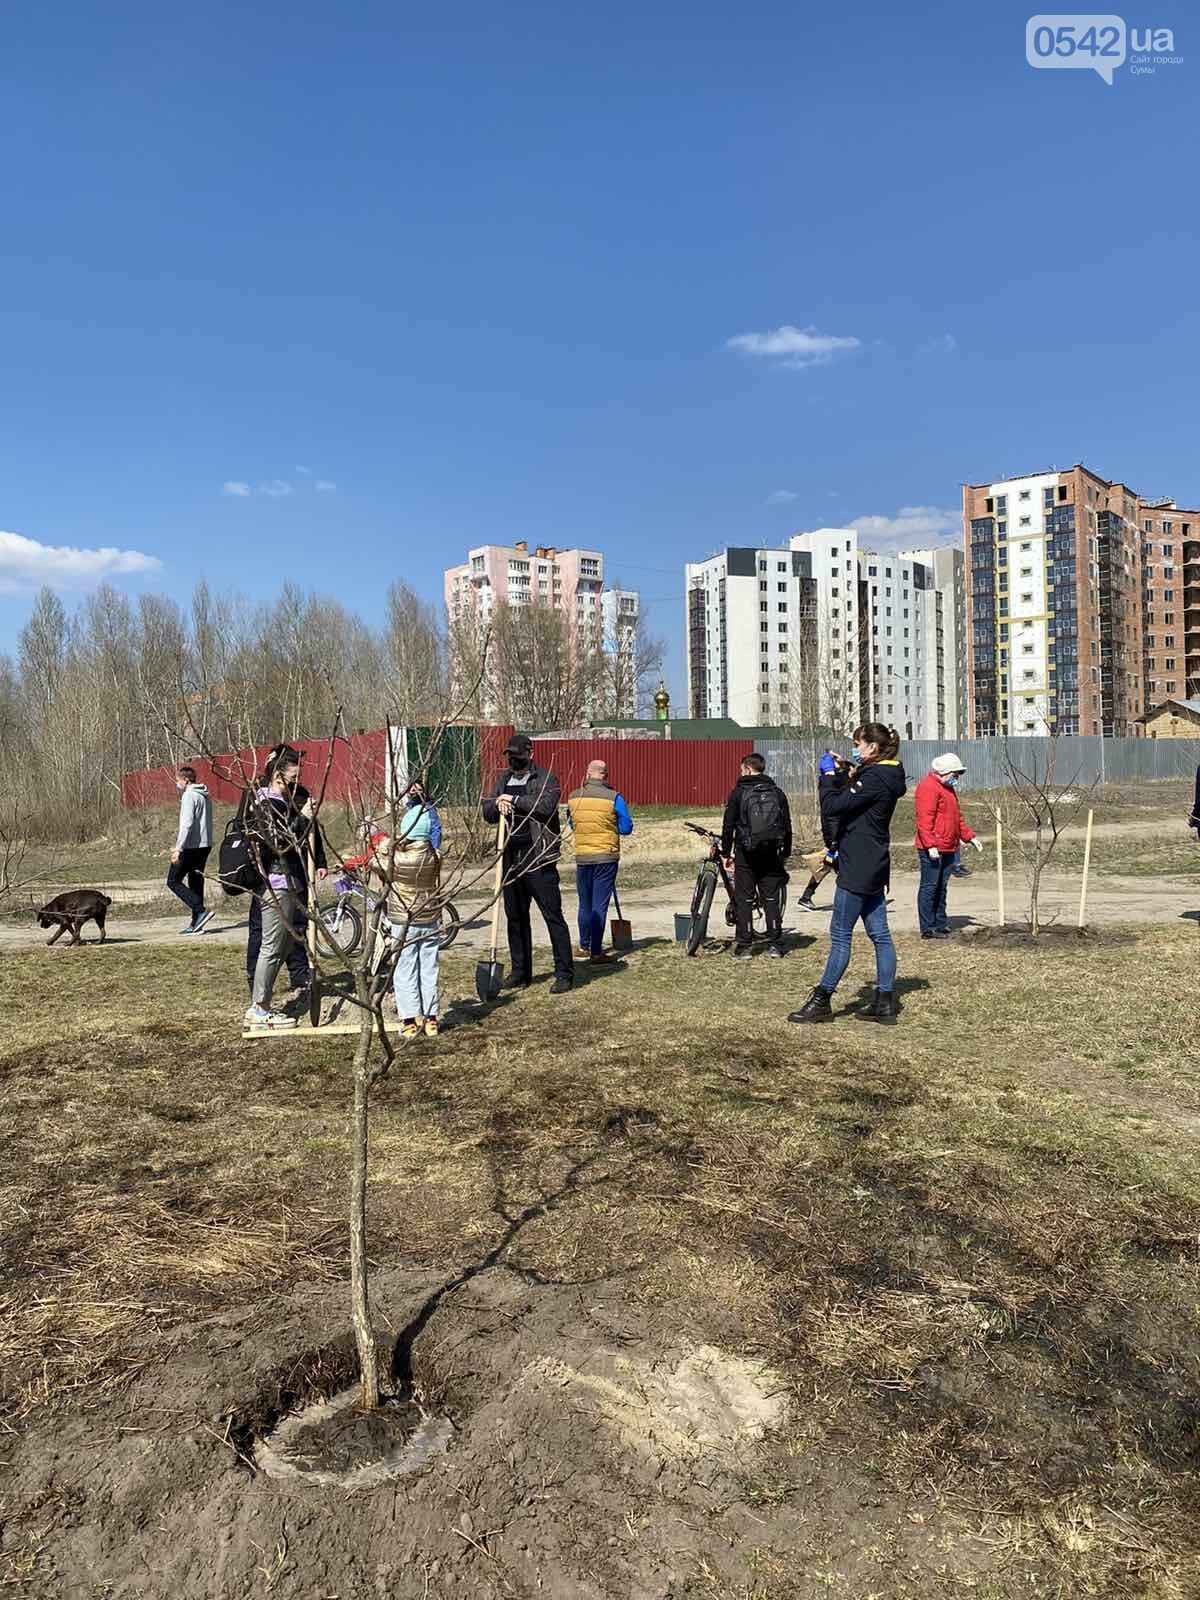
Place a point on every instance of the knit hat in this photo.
(946, 766)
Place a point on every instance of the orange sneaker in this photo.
(431, 1027)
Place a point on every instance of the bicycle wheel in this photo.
(702, 899)
(450, 926)
(340, 929)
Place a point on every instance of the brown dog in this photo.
(71, 910)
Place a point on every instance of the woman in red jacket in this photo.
(940, 832)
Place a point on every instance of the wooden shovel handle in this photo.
(497, 886)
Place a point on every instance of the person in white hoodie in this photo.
(185, 877)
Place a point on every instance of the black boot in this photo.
(870, 1012)
(815, 1009)
(882, 1009)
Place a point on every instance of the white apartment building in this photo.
(891, 638)
(749, 627)
(841, 671)
(947, 565)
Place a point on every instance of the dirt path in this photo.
(652, 911)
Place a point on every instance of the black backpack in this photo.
(236, 871)
(762, 816)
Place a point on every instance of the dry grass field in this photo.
(963, 1256)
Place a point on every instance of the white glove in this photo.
(934, 855)
(978, 843)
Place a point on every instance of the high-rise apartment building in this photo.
(1170, 602)
(513, 574)
(1054, 604)
(568, 581)
(749, 626)
(825, 634)
(948, 662)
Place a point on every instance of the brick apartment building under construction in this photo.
(1072, 597)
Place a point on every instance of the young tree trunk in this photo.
(360, 1304)
(1035, 884)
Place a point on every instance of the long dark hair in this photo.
(878, 733)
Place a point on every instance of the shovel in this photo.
(622, 932)
(489, 974)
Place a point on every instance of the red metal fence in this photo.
(647, 772)
(356, 767)
(658, 772)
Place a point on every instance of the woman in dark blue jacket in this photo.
(857, 801)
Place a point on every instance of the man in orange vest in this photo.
(601, 820)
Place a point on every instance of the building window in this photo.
(1168, 573)
(762, 605)
(1024, 523)
(782, 605)
(1169, 663)
(1002, 530)
(782, 566)
(1062, 491)
(781, 588)
(1027, 599)
(1168, 594)
(763, 625)
(1169, 641)
(1168, 550)
(762, 566)
(1171, 688)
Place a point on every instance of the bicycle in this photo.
(340, 926)
(712, 871)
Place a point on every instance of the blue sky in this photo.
(478, 272)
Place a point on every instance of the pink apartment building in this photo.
(495, 572)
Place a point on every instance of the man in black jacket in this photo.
(756, 840)
(527, 797)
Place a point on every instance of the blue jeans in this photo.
(416, 976)
(931, 893)
(847, 909)
(594, 884)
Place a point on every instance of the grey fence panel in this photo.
(793, 763)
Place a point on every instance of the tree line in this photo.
(117, 684)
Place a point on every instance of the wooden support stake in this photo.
(1087, 861)
(1000, 865)
(310, 929)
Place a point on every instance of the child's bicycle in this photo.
(340, 926)
(712, 871)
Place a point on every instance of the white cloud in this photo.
(26, 564)
(781, 497)
(231, 486)
(305, 472)
(913, 527)
(277, 488)
(323, 486)
(788, 346)
(943, 346)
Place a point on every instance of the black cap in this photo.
(519, 745)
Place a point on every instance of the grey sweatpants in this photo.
(279, 915)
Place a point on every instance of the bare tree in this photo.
(632, 659)
(415, 655)
(1042, 809)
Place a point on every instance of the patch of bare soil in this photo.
(1055, 938)
(590, 1451)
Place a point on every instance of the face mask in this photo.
(181, 784)
(951, 783)
(856, 759)
(518, 763)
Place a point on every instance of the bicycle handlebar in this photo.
(705, 833)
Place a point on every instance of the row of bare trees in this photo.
(86, 697)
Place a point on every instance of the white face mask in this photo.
(181, 784)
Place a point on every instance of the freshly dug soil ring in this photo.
(1052, 938)
(336, 1444)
